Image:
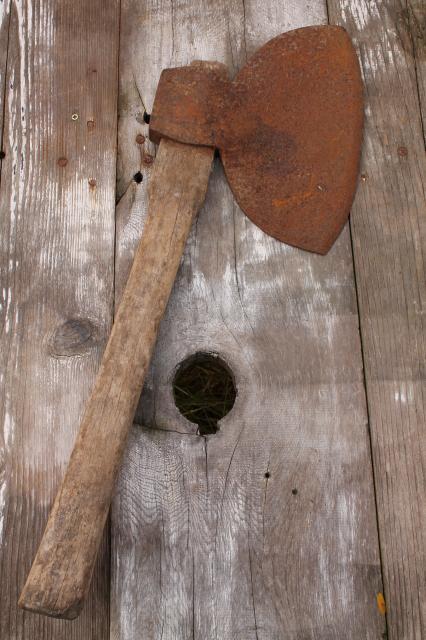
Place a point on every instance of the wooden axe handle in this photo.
(61, 573)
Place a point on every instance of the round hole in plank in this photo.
(204, 390)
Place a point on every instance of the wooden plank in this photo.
(204, 545)
(57, 250)
(389, 236)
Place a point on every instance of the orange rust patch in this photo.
(292, 200)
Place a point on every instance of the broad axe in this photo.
(288, 129)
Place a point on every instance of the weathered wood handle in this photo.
(61, 573)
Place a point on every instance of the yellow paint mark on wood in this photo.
(381, 604)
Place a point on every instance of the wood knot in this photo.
(74, 337)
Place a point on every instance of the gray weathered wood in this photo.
(204, 545)
(389, 237)
(57, 241)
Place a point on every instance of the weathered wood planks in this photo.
(389, 237)
(204, 544)
(57, 267)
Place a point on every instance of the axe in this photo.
(288, 129)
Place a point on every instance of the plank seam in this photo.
(327, 10)
(108, 530)
(364, 382)
(5, 87)
(114, 276)
(244, 29)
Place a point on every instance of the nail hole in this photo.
(146, 117)
(138, 177)
(294, 492)
(267, 474)
(204, 391)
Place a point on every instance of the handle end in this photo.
(37, 601)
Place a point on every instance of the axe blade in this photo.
(297, 130)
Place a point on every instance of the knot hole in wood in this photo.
(204, 390)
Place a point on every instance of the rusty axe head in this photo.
(288, 128)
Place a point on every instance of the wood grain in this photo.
(62, 570)
(204, 544)
(57, 253)
(389, 237)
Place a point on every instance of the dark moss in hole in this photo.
(204, 391)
